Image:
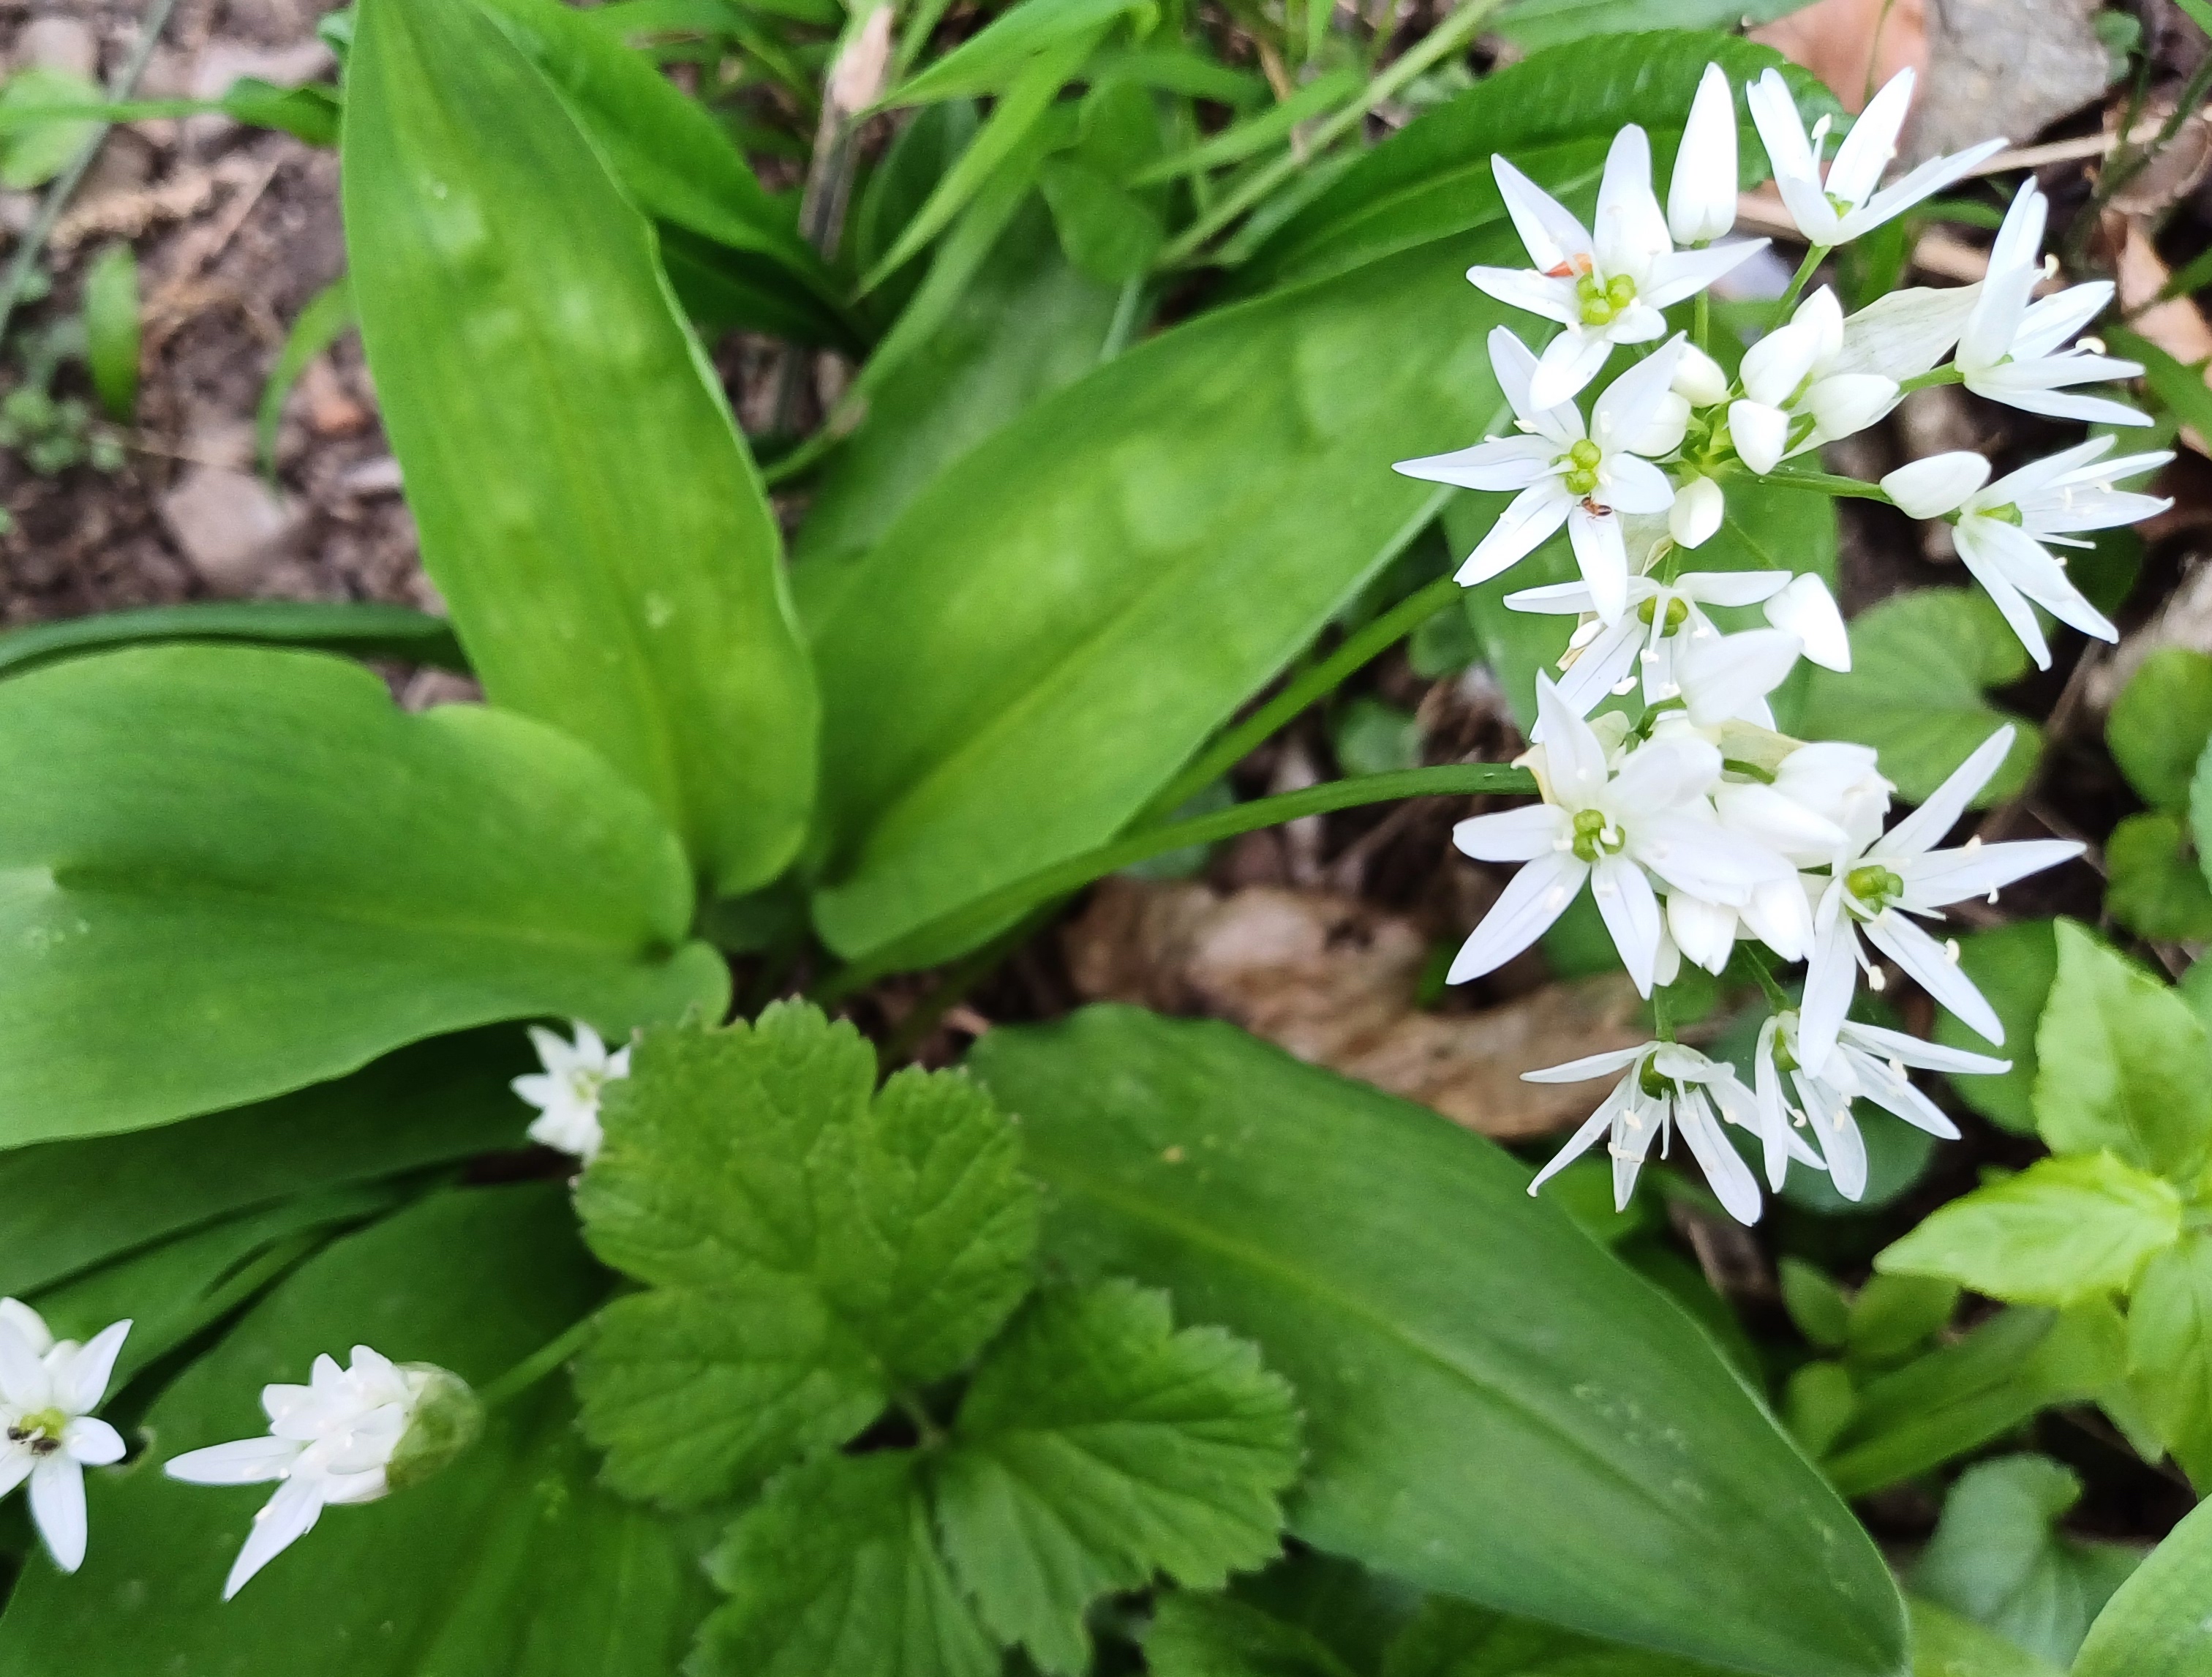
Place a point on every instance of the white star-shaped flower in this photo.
(1873, 892)
(1642, 644)
(1835, 210)
(1604, 285)
(1794, 397)
(567, 1091)
(2005, 530)
(1563, 474)
(48, 1433)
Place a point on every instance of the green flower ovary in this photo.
(1581, 464)
(1596, 836)
(1873, 889)
(1677, 613)
(2004, 515)
(40, 1430)
(1603, 301)
(1656, 1083)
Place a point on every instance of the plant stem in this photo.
(1755, 959)
(1814, 258)
(65, 183)
(536, 1366)
(1827, 483)
(1446, 39)
(980, 917)
(1662, 1021)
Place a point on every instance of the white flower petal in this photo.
(1985, 564)
(1939, 877)
(1510, 463)
(1868, 150)
(1601, 555)
(1574, 756)
(91, 1442)
(1580, 1143)
(1685, 273)
(1590, 1066)
(1760, 433)
(1549, 232)
(1829, 979)
(57, 1508)
(1807, 610)
(29, 1323)
(1631, 912)
(1567, 365)
(1842, 1146)
(1511, 835)
(1529, 519)
(1925, 182)
(1704, 932)
(1726, 1174)
(1695, 517)
(1887, 1045)
(1532, 900)
(1921, 830)
(1630, 231)
(81, 1381)
(1522, 287)
(1906, 334)
(1929, 965)
(1702, 195)
(280, 1522)
(1935, 486)
(1634, 485)
(25, 1382)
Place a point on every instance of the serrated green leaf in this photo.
(811, 1251)
(2154, 885)
(1920, 665)
(2159, 724)
(2013, 967)
(1219, 1636)
(1997, 1557)
(2063, 1230)
(2122, 1064)
(291, 876)
(1099, 1446)
(2155, 1622)
(835, 1573)
(2170, 1352)
(1495, 1406)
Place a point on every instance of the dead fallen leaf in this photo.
(1333, 980)
(2176, 325)
(1852, 44)
(2172, 171)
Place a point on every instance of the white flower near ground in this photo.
(1563, 474)
(1874, 892)
(331, 1441)
(2012, 348)
(1641, 644)
(2005, 531)
(1850, 200)
(1869, 1063)
(48, 1433)
(1605, 284)
(567, 1091)
(1793, 400)
(1666, 1088)
(1702, 193)
(1613, 829)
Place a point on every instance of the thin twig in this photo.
(64, 184)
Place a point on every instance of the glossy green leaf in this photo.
(2170, 1352)
(585, 504)
(290, 876)
(511, 1561)
(2062, 1230)
(1553, 114)
(313, 113)
(2155, 1622)
(1109, 233)
(111, 330)
(989, 61)
(1920, 664)
(326, 316)
(1944, 1644)
(810, 1251)
(1098, 1447)
(1816, 1303)
(76, 1203)
(1894, 1314)
(1193, 1635)
(362, 628)
(2122, 1064)
(1458, 1639)
(2013, 967)
(1959, 1397)
(2159, 723)
(1494, 1406)
(1997, 1558)
(2153, 884)
(1530, 24)
(835, 1573)
(900, 183)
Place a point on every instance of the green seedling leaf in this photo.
(1896, 1314)
(1468, 1362)
(2159, 723)
(810, 1251)
(585, 504)
(2063, 1229)
(996, 58)
(111, 330)
(2013, 967)
(290, 876)
(2155, 1621)
(33, 152)
(2122, 1064)
(1920, 665)
(1998, 1559)
(312, 114)
(328, 316)
(2170, 1352)
(2154, 885)
(1815, 1304)
(510, 1560)
(834, 1569)
(1097, 1447)
(1109, 234)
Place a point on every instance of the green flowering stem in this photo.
(1756, 959)
(1946, 373)
(985, 913)
(1814, 258)
(1827, 483)
(536, 1366)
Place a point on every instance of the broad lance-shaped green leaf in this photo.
(2063, 1230)
(836, 1570)
(2170, 1352)
(1097, 1447)
(1494, 1406)
(585, 504)
(2122, 1064)
(511, 1560)
(811, 1251)
(2155, 1623)
(2159, 723)
(289, 876)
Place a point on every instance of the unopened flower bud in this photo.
(1670, 420)
(1701, 198)
(1697, 512)
(445, 1419)
(1698, 378)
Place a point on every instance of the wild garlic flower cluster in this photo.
(1695, 827)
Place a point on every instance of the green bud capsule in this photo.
(445, 1421)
